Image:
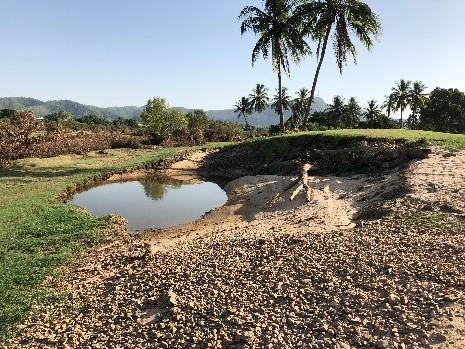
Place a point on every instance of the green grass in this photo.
(39, 233)
(448, 140)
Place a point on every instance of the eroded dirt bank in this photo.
(371, 262)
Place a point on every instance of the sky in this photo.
(122, 52)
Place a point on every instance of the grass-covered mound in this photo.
(341, 152)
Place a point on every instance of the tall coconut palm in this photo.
(417, 102)
(259, 99)
(278, 29)
(373, 114)
(388, 104)
(301, 107)
(352, 114)
(283, 101)
(401, 98)
(342, 18)
(336, 111)
(244, 109)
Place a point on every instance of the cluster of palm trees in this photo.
(403, 95)
(340, 114)
(286, 30)
(258, 101)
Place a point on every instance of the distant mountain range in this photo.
(40, 108)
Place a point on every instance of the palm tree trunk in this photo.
(280, 95)
(401, 118)
(246, 122)
(317, 73)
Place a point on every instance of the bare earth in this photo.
(355, 268)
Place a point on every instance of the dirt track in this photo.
(287, 275)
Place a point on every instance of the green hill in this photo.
(40, 108)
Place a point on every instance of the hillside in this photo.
(40, 108)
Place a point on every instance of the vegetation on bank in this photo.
(168, 125)
(39, 233)
(22, 135)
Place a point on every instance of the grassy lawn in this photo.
(448, 140)
(39, 233)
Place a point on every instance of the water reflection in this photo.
(156, 187)
(154, 201)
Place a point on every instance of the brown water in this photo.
(153, 201)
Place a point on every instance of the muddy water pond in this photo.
(153, 201)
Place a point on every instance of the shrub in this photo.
(24, 136)
(197, 124)
(164, 123)
(223, 131)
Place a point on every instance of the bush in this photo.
(314, 126)
(164, 123)
(197, 124)
(223, 131)
(24, 136)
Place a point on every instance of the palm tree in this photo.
(352, 113)
(244, 109)
(388, 104)
(301, 107)
(259, 99)
(373, 114)
(401, 98)
(417, 102)
(279, 35)
(284, 101)
(345, 17)
(336, 111)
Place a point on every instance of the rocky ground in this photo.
(277, 274)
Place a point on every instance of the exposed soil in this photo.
(372, 262)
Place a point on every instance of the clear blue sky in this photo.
(121, 52)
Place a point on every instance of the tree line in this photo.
(168, 125)
(441, 110)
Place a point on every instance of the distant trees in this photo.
(283, 101)
(352, 114)
(169, 125)
(197, 124)
(162, 121)
(244, 109)
(401, 97)
(373, 114)
(121, 123)
(335, 112)
(6, 113)
(61, 116)
(388, 104)
(417, 103)
(279, 30)
(407, 94)
(301, 108)
(259, 99)
(444, 111)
